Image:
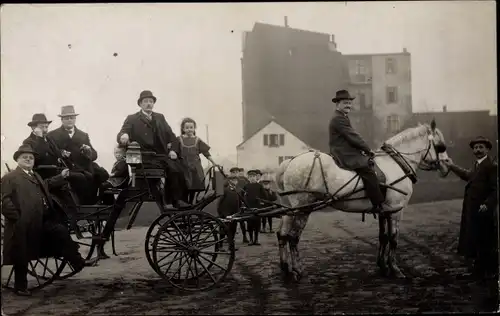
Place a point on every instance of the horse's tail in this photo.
(280, 172)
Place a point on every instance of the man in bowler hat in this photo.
(478, 232)
(351, 151)
(152, 132)
(31, 222)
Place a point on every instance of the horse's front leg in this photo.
(393, 221)
(282, 235)
(383, 239)
(298, 225)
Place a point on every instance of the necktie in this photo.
(476, 164)
(31, 174)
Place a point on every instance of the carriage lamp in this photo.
(133, 158)
(133, 155)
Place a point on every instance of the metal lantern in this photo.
(133, 155)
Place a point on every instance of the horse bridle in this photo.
(431, 165)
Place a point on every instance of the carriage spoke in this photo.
(171, 262)
(212, 262)
(204, 246)
(206, 270)
(203, 230)
(166, 239)
(36, 275)
(180, 231)
(209, 235)
(178, 271)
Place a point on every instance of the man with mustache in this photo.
(477, 228)
(351, 151)
(152, 132)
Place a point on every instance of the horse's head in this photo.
(435, 152)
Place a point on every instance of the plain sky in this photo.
(189, 56)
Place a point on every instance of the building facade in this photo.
(268, 147)
(291, 75)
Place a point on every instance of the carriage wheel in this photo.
(36, 268)
(186, 251)
(151, 234)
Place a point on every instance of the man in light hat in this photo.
(31, 223)
(47, 164)
(477, 241)
(76, 147)
(351, 151)
(152, 132)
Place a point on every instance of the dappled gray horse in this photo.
(313, 176)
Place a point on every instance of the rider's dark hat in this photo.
(23, 149)
(146, 94)
(234, 169)
(342, 95)
(257, 171)
(37, 119)
(481, 140)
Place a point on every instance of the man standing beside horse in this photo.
(478, 232)
(76, 147)
(152, 132)
(351, 151)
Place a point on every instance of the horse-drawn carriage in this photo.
(184, 247)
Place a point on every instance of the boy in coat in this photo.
(31, 224)
(229, 204)
(242, 181)
(270, 196)
(254, 192)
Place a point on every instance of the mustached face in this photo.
(480, 150)
(147, 105)
(344, 106)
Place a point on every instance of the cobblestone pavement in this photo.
(338, 252)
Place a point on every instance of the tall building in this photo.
(382, 86)
(289, 77)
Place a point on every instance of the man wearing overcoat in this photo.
(152, 132)
(76, 147)
(351, 151)
(478, 228)
(31, 222)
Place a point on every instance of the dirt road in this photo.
(338, 252)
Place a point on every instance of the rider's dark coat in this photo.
(346, 144)
(24, 211)
(481, 188)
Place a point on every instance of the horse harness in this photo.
(402, 162)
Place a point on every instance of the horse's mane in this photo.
(408, 134)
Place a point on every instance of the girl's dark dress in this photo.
(191, 148)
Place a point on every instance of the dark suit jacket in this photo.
(47, 153)
(63, 141)
(346, 144)
(152, 136)
(481, 188)
(23, 206)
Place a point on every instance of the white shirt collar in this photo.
(148, 115)
(26, 171)
(481, 160)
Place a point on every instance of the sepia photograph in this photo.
(277, 158)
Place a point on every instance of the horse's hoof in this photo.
(284, 267)
(296, 275)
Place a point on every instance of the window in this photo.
(392, 95)
(362, 100)
(393, 124)
(360, 67)
(274, 140)
(283, 158)
(390, 66)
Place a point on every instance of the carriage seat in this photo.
(150, 173)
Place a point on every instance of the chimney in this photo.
(404, 50)
(286, 21)
(445, 108)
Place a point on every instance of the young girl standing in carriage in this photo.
(191, 147)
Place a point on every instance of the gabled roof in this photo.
(266, 125)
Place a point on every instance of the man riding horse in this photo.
(351, 151)
(76, 148)
(152, 132)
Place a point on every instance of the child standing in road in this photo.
(191, 147)
(229, 204)
(271, 196)
(254, 192)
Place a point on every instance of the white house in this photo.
(267, 148)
